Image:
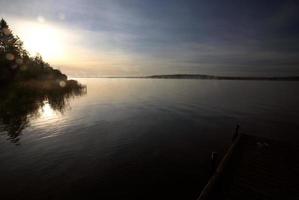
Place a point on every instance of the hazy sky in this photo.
(137, 37)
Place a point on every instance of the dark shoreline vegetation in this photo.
(18, 67)
(27, 84)
(210, 77)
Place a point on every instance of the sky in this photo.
(145, 37)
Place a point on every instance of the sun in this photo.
(44, 39)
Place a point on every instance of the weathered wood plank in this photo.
(256, 168)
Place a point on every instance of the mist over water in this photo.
(129, 137)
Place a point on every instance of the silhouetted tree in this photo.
(26, 82)
(12, 53)
(16, 63)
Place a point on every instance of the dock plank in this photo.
(258, 168)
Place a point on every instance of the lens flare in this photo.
(9, 56)
(62, 83)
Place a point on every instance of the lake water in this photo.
(137, 138)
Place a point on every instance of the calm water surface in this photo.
(138, 138)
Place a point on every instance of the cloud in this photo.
(152, 37)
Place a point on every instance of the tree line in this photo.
(16, 64)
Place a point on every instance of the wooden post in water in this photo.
(214, 157)
(236, 132)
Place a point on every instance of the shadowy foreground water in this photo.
(132, 138)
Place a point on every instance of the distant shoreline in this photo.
(207, 77)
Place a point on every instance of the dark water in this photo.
(136, 138)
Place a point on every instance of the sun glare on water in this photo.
(47, 111)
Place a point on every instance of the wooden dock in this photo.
(255, 168)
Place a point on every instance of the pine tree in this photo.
(12, 52)
(10, 43)
(6, 37)
(16, 64)
(3, 24)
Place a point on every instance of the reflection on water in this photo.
(133, 138)
(19, 104)
(47, 111)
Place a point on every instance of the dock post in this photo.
(214, 158)
(236, 132)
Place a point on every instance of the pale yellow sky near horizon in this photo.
(67, 49)
(63, 47)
